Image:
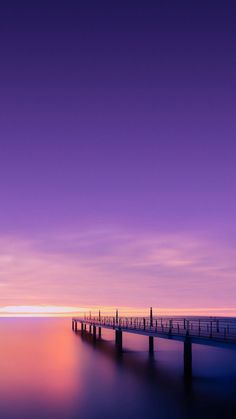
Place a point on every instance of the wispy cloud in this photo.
(112, 267)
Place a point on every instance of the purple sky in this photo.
(118, 149)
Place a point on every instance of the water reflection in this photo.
(48, 371)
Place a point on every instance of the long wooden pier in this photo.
(212, 331)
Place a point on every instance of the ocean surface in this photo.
(47, 371)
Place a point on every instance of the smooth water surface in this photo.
(47, 371)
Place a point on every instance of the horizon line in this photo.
(68, 311)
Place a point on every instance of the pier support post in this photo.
(187, 358)
(119, 340)
(82, 328)
(99, 332)
(116, 337)
(73, 325)
(94, 333)
(151, 317)
(117, 316)
(151, 345)
(90, 329)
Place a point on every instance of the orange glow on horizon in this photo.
(68, 311)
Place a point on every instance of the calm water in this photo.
(49, 372)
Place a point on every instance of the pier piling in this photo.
(94, 333)
(187, 358)
(151, 345)
(118, 340)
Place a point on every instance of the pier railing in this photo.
(220, 329)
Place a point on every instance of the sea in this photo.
(48, 371)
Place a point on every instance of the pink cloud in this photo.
(112, 267)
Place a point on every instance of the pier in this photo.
(209, 331)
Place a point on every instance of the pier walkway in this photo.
(210, 331)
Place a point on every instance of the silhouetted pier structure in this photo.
(209, 331)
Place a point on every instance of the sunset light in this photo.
(117, 209)
(68, 311)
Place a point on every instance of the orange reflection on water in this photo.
(36, 358)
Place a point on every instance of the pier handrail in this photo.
(213, 328)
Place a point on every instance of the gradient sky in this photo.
(117, 153)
